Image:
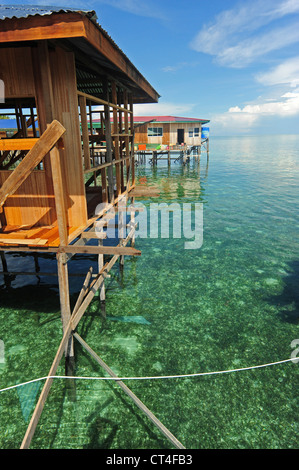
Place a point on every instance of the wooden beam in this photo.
(46, 388)
(94, 235)
(24, 241)
(17, 144)
(96, 250)
(106, 165)
(96, 100)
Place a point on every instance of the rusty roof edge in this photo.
(24, 11)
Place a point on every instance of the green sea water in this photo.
(233, 303)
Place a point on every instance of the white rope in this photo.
(200, 374)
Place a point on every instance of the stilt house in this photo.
(168, 131)
(58, 70)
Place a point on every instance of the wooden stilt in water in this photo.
(133, 222)
(102, 292)
(7, 277)
(65, 318)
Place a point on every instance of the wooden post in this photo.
(120, 131)
(102, 286)
(108, 141)
(168, 157)
(133, 222)
(127, 140)
(85, 132)
(61, 210)
(116, 140)
(7, 279)
(64, 300)
(132, 131)
(184, 156)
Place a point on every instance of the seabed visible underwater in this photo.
(232, 303)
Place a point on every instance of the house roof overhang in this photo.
(78, 31)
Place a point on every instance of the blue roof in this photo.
(23, 11)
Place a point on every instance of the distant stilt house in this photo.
(169, 131)
(162, 136)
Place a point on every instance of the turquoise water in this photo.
(232, 303)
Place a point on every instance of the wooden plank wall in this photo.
(16, 72)
(51, 79)
(32, 202)
(66, 111)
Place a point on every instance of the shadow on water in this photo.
(289, 298)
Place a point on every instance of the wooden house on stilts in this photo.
(60, 70)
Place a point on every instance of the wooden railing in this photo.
(119, 139)
(38, 149)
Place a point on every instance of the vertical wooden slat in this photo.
(127, 140)
(85, 132)
(64, 297)
(132, 140)
(116, 139)
(108, 141)
(61, 210)
(44, 105)
(120, 130)
(91, 131)
(104, 185)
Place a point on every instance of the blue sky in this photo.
(233, 62)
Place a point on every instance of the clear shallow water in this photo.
(233, 303)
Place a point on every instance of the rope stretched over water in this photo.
(159, 377)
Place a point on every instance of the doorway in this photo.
(181, 137)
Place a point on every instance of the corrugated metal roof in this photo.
(23, 11)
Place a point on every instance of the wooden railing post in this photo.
(85, 132)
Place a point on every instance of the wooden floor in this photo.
(44, 236)
(39, 236)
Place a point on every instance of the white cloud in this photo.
(162, 109)
(244, 119)
(235, 121)
(179, 66)
(234, 37)
(248, 50)
(137, 7)
(286, 73)
(287, 106)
